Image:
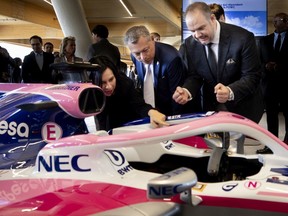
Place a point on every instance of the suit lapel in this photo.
(156, 67)
(223, 48)
(285, 43)
(142, 72)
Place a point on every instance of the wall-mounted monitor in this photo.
(249, 14)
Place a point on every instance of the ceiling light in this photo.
(126, 8)
(48, 1)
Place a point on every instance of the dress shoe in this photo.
(265, 150)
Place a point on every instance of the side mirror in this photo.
(179, 181)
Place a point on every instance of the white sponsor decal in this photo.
(51, 132)
(12, 128)
(118, 159)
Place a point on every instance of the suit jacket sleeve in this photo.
(24, 70)
(249, 69)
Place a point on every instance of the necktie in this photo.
(212, 59)
(39, 60)
(278, 44)
(148, 90)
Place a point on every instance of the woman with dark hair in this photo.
(123, 102)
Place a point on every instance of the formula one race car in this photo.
(51, 164)
(40, 175)
(220, 148)
(33, 115)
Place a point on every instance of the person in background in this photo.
(102, 47)
(67, 51)
(133, 76)
(67, 54)
(123, 67)
(275, 76)
(56, 54)
(16, 73)
(36, 65)
(48, 47)
(6, 62)
(123, 102)
(229, 74)
(160, 61)
(155, 36)
(218, 11)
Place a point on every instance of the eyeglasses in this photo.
(278, 20)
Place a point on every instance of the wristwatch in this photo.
(231, 94)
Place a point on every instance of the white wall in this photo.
(15, 50)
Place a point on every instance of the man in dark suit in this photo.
(233, 82)
(36, 65)
(275, 66)
(102, 47)
(165, 64)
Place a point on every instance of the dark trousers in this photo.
(274, 105)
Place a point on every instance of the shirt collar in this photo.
(39, 53)
(282, 34)
(216, 38)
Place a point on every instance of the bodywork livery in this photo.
(51, 164)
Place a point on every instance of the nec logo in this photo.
(165, 190)
(13, 128)
(62, 163)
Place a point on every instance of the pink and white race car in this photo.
(197, 166)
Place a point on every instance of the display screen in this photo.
(249, 14)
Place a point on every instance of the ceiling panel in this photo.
(163, 16)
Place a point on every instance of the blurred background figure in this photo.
(56, 54)
(131, 73)
(218, 11)
(123, 67)
(16, 72)
(102, 47)
(6, 62)
(48, 47)
(274, 52)
(155, 36)
(67, 54)
(67, 51)
(36, 65)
